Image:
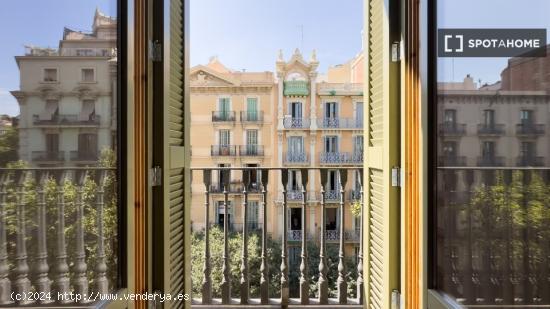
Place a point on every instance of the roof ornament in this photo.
(313, 56)
(297, 52)
(280, 57)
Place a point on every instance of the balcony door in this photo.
(331, 110)
(52, 144)
(224, 107)
(296, 110)
(87, 145)
(252, 109)
(331, 144)
(296, 145)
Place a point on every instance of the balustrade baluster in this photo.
(304, 280)
(264, 283)
(61, 279)
(226, 284)
(341, 281)
(80, 267)
(101, 282)
(244, 255)
(284, 253)
(360, 280)
(207, 280)
(41, 268)
(323, 281)
(5, 283)
(22, 283)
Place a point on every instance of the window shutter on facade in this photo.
(175, 174)
(381, 232)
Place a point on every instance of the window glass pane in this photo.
(58, 171)
(492, 204)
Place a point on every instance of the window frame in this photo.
(94, 75)
(57, 74)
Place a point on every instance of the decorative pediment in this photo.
(202, 76)
(48, 93)
(86, 93)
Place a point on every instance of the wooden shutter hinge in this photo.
(396, 176)
(395, 299)
(155, 51)
(155, 176)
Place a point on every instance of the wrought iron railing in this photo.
(339, 158)
(340, 123)
(252, 116)
(62, 119)
(530, 161)
(490, 161)
(83, 156)
(490, 129)
(48, 156)
(54, 235)
(299, 158)
(251, 150)
(223, 116)
(223, 150)
(296, 123)
(265, 297)
(452, 129)
(530, 129)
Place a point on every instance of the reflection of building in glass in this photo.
(67, 96)
(297, 119)
(493, 126)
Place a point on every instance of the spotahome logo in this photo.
(491, 42)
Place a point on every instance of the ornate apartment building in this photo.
(66, 97)
(296, 119)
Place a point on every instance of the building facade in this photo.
(67, 96)
(293, 120)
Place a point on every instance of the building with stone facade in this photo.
(67, 95)
(292, 119)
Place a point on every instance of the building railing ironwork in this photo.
(340, 236)
(299, 158)
(530, 161)
(340, 123)
(490, 161)
(223, 116)
(49, 156)
(251, 150)
(452, 160)
(490, 129)
(223, 150)
(296, 123)
(530, 129)
(452, 129)
(338, 158)
(67, 120)
(252, 116)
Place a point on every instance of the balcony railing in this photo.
(452, 129)
(54, 235)
(296, 123)
(67, 120)
(251, 150)
(490, 161)
(48, 156)
(491, 252)
(530, 161)
(83, 156)
(254, 117)
(223, 150)
(450, 160)
(223, 116)
(284, 295)
(490, 129)
(530, 129)
(293, 158)
(340, 123)
(339, 158)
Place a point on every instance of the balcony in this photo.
(48, 156)
(530, 129)
(340, 123)
(251, 150)
(490, 129)
(292, 158)
(78, 156)
(223, 150)
(530, 161)
(234, 187)
(298, 88)
(452, 129)
(237, 294)
(450, 160)
(67, 120)
(489, 161)
(354, 195)
(223, 117)
(63, 228)
(341, 158)
(252, 117)
(296, 123)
